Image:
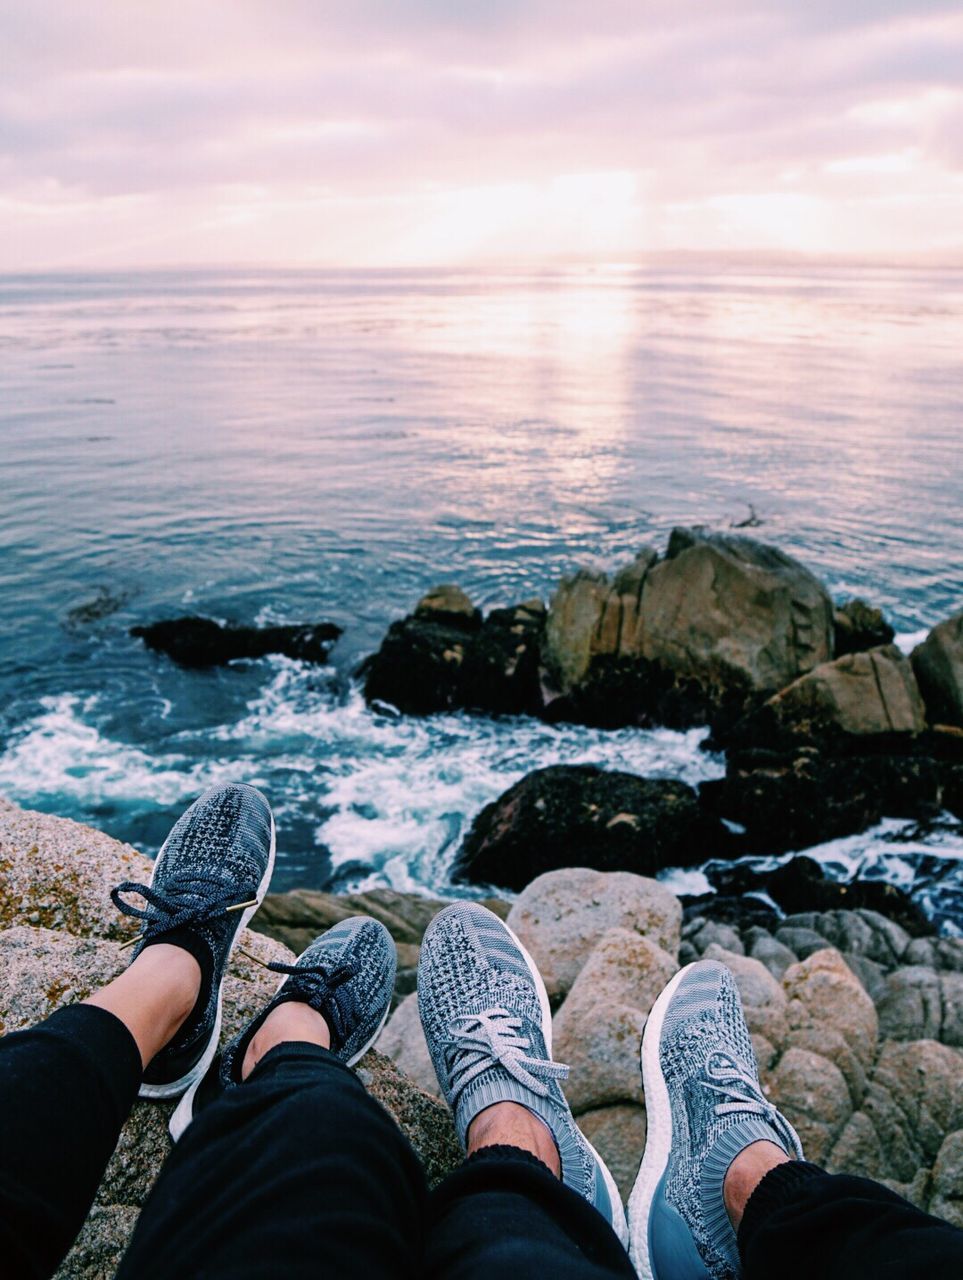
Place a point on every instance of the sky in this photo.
(443, 132)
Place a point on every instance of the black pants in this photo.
(299, 1173)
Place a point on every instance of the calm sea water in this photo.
(301, 446)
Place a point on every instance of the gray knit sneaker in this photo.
(704, 1105)
(208, 880)
(487, 1022)
(347, 975)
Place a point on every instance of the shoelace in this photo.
(322, 984)
(493, 1036)
(741, 1091)
(194, 899)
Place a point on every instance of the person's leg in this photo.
(724, 1191)
(298, 1173)
(67, 1087)
(505, 1207)
(284, 1165)
(533, 1196)
(800, 1222)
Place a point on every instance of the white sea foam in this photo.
(60, 753)
(908, 640)
(404, 790)
(391, 796)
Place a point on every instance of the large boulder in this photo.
(202, 642)
(580, 815)
(861, 694)
(592, 616)
(733, 613)
(792, 798)
(938, 663)
(562, 915)
(598, 1029)
(444, 656)
(823, 994)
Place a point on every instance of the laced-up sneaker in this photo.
(347, 975)
(704, 1105)
(208, 880)
(488, 1025)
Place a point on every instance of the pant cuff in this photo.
(777, 1188)
(504, 1152)
(278, 1060)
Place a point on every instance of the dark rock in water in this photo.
(802, 884)
(739, 910)
(938, 663)
(857, 626)
(582, 816)
(445, 656)
(788, 800)
(201, 642)
(501, 669)
(100, 606)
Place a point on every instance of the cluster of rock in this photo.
(857, 1026)
(826, 725)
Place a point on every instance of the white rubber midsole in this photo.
(658, 1136)
(619, 1224)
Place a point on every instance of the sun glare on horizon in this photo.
(367, 136)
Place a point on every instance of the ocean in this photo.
(313, 445)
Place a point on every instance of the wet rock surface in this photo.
(579, 815)
(445, 656)
(202, 642)
(938, 663)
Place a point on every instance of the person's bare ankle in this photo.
(153, 996)
(293, 1020)
(508, 1124)
(745, 1173)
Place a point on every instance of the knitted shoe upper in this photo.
(487, 1028)
(212, 867)
(718, 1107)
(347, 975)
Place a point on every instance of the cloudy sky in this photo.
(395, 132)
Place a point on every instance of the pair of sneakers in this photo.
(488, 1027)
(209, 878)
(487, 1021)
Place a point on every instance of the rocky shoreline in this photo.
(825, 726)
(858, 1025)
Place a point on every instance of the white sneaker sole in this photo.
(658, 1139)
(174, 1088)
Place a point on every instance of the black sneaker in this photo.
(347, 975)
(208, 880)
